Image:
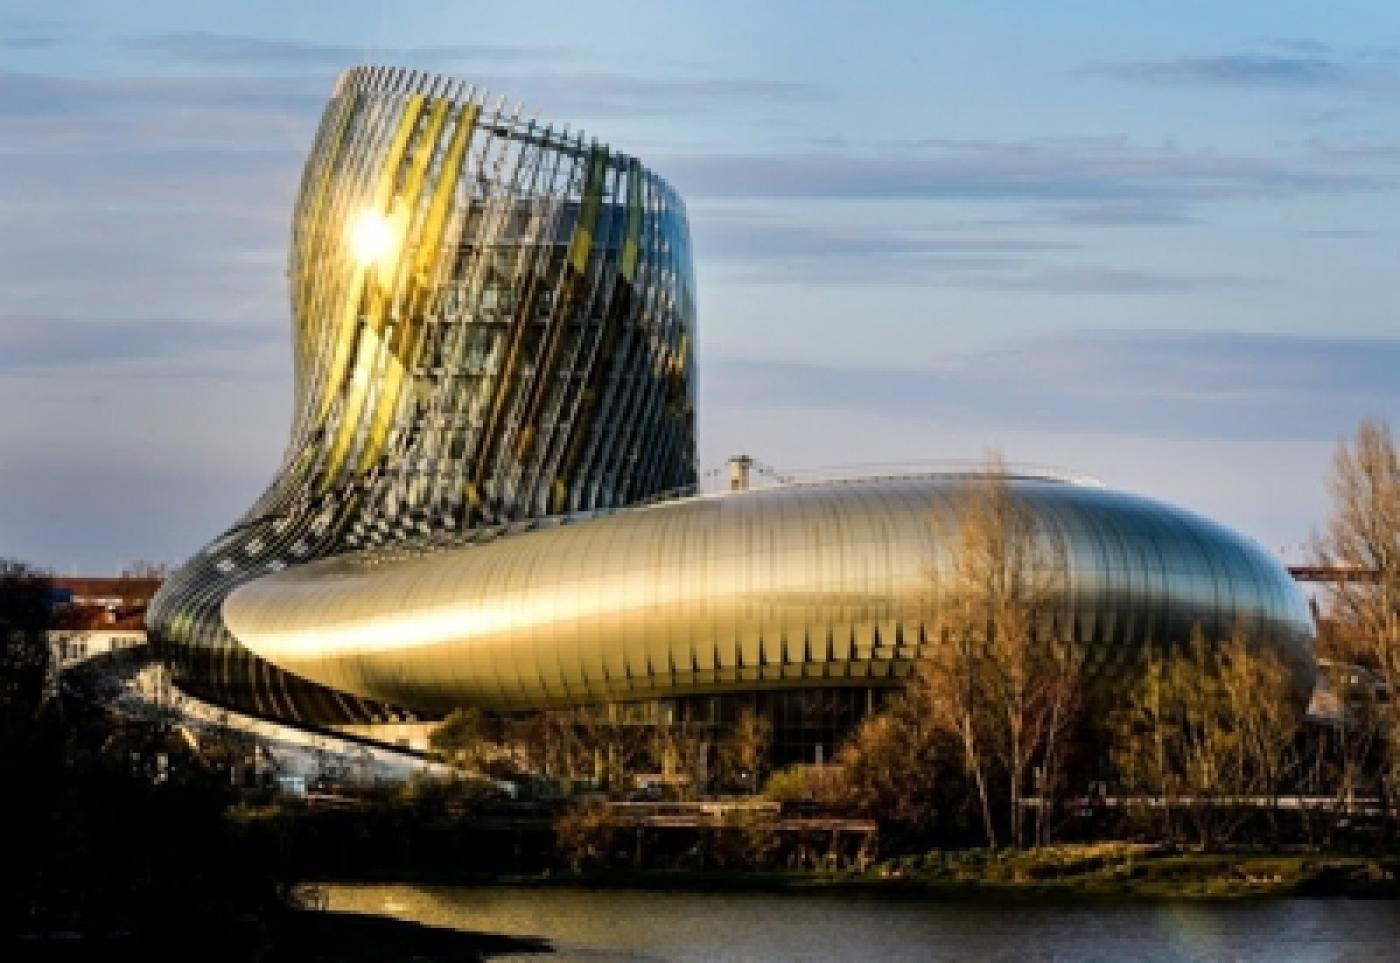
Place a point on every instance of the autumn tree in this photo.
(1144, 744)
(904, 767)
(1363, 536)
(743, 752)
(1005, 680)
(1267, 713)
(588, 836)
(1210, 728)
(554, 744)
(679, 749)
(806, 784)
(464, 738)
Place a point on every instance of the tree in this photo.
(892, 768)
(1363, 534)
(588, 836)
(1143, 747)
(25, 614)
(1344, 753)
(679, 749)
(1267, 715)
(1054, 721)
(802, 783)
(1208, 728)
(743, 753)
(464, 738)
(1006, 683)
(743, 838)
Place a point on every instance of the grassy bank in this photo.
(1154, 872)
(1102, 870)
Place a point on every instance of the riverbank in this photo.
(1117, 870)
(1102, 870)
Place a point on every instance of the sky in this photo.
(1152, 242)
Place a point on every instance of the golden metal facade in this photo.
(491, 322)
(795, 586)
(492, 330)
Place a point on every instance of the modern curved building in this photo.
(803, 585)
(488, 494)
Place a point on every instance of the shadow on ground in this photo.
(309, 936)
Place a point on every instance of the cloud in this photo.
(1180, 384)
(1340, 234)
(1112, 280)
(1364, 152)
(1043, 185)
(1234, 70)
(87, 348)
(69, 101)
(590, 94)
(104, 226)
(1077, 171)
(1276, 64)
(241, 50)
(1120, 212)
(756, 238)
(768, 251)
(1238, 426)
(1301, 46)
(521, 72)
(227, 109)
(29, 41)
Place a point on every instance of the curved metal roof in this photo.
(787, 586)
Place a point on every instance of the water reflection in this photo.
(637, 925)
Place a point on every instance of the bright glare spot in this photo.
(370, 237)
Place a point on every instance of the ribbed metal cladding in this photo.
(792, 587)
(492, 323)
(493, 330)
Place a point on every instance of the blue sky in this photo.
(1152, 242)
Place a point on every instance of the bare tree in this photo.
(954, 673)
(1210, 748)
(1144, 730)
(1363, 535)
(1062, 695)
(1008, 682)
(1267, 716)
(1342, 753)
(1209, 728)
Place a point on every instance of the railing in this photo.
(929, 468)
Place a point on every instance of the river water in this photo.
(593, 925)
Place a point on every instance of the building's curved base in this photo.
(785, 588)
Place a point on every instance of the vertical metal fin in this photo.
(370, 292)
